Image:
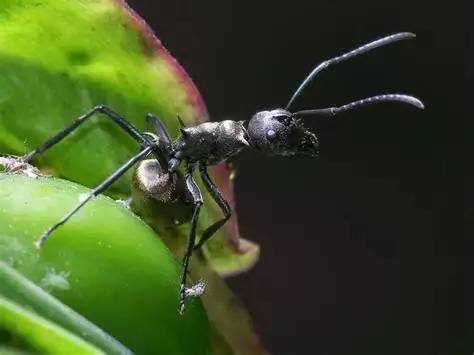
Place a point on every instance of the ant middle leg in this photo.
(119, 120)
(224, 206)
(197, 202)
(94, 192)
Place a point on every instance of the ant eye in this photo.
(271, 134)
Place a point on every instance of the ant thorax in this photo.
(211, 142)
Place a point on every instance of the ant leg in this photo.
(197, 201)
(158, 127)
(217, 196)
(122, 122)
(174, 161)
(154, 124)
(101, 187)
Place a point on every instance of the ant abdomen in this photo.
(150, 178)
(160, 196)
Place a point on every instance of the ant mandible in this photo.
(274, 132)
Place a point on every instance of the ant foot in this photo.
(186, 292)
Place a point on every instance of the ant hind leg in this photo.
(197, 201)
(217, 196)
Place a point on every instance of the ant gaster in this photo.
(273, 132)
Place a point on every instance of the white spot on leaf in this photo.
(55, 280)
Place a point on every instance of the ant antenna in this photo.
(354, 53)
(333, 111)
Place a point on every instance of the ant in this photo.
(274, 132)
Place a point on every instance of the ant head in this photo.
(278, 132)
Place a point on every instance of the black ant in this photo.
(274, 132)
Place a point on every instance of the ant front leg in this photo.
(119, 120)
(197, 202)
(217, 196)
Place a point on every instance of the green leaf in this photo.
(105, 263)
(39, 333)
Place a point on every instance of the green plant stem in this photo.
(15, 286)
(39, 332)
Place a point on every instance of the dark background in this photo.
(365, 250)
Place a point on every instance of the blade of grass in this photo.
(17, 287)
(41, 334)
(11, 351)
